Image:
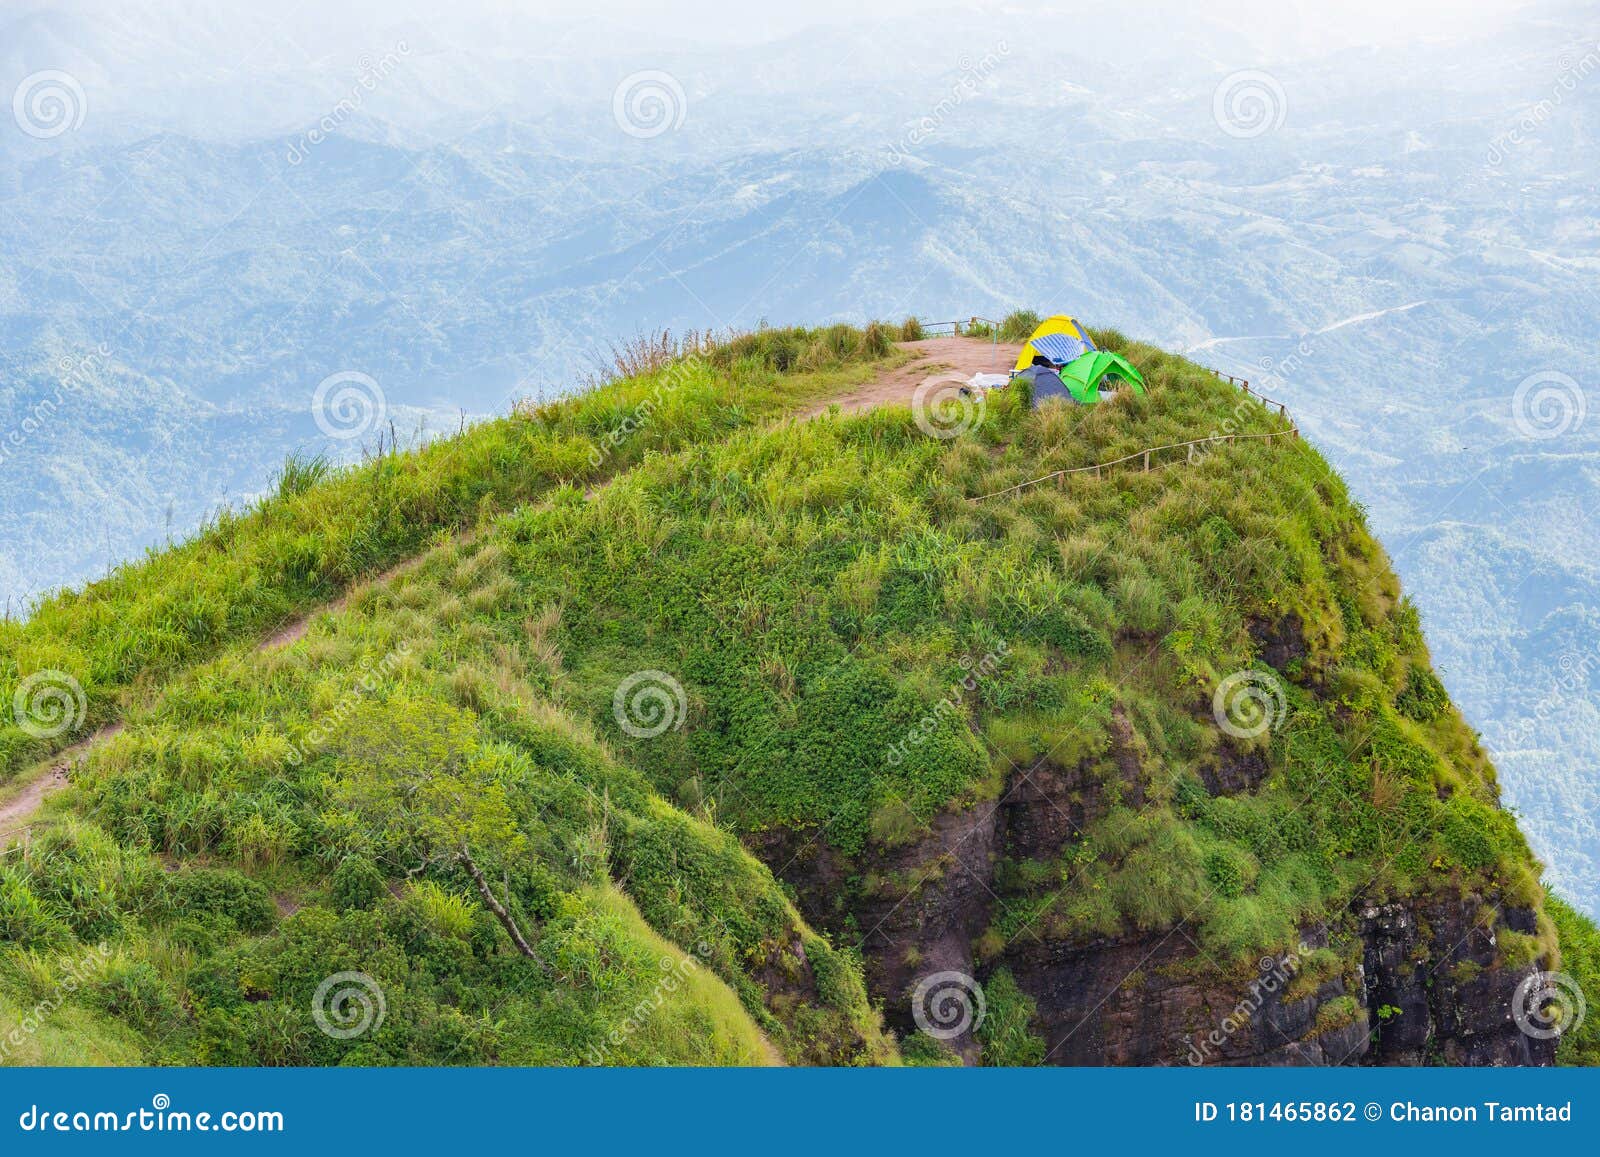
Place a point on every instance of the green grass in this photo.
(1019, 325)
(859, 647)
(322, 530)
(1580, 960)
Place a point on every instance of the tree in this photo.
(412, 774)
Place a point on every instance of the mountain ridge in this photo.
(806, 591)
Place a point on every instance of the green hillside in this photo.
(657, 749)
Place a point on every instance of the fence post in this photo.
(1147, 461)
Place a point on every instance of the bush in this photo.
(221, 892)
(1108, 339)
(1423, 697)
(1019, 325)
(911, 329)
(876, 340)
(23, 917)
(357, 884)
(1006, 1034)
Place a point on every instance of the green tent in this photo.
(1084, 373)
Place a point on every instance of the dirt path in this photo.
(16, 811)
(958, 356)
(295, 629)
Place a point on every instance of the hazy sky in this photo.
(1281, 25)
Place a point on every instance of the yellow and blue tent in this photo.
(1059, 338)
(1082, 367)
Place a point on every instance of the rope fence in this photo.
(1145, 456)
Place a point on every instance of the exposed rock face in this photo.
(1133, 1002)
(1281, 642)
(906, 932)
(1412, 983)
(1439, 965)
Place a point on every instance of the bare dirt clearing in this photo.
(956, 356)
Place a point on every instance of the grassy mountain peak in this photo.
(695, 732)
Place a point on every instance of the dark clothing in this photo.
(1046, 384)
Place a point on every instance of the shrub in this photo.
(1108, 339)
(1337, 1013)
(1019, 325)
(356, 883)
(1423, 697)
(1006, 1034)
(219, 892)
(876, 341)
(911, 329)
(23, 918)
